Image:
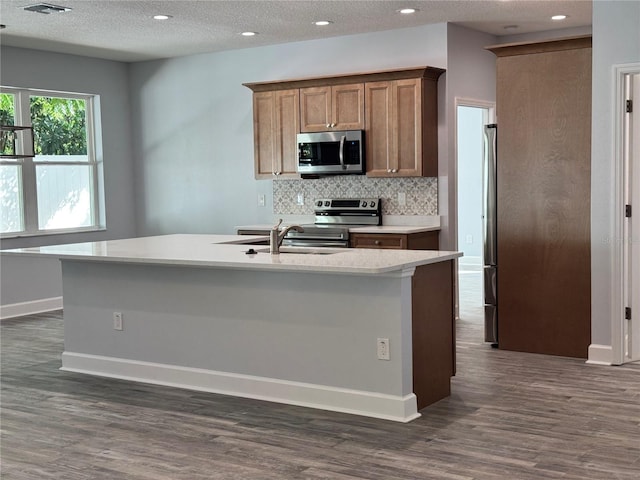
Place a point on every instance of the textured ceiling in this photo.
(124, 30)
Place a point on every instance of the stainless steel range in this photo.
(333, 218)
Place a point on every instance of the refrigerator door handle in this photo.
(491, 324)
(490, 196)
(490, 285)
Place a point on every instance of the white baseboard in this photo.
(358, 402)
(30, 308)
(600, 354)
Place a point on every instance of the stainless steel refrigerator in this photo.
(489, 220)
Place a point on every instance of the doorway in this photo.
(471, 117)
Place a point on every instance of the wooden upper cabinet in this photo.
(337, 107)
(397, 109)
(400, 130)
(276, 123)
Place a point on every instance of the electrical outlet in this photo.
(300, 199)
(469, 238)
(262, 201)
(117, 320)
(402, 199)
(383, 349)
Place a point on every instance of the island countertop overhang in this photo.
(229, 252)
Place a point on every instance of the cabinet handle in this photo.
(377, 242)
(328, 125)
(388, 170)
(333, 125)
(395, 170)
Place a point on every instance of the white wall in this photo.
(23, 280)
(471, 74)
(194, 127)
(616, 40)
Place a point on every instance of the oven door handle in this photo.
(341, 154)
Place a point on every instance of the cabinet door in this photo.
(287, 126)
(379, 139)
(315, 109)
(393, 113)
(276, 122)
(406, 120)
(340, 107)
(264, 119)
(347, 107)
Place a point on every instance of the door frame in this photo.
(467, 102)
(619, 284)
(491, 110)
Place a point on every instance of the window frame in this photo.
(28, 176)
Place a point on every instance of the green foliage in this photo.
(6, 118)
(6, 109)
(59, 126)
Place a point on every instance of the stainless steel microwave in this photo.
(331, 153)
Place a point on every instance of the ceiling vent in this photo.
(46, 8)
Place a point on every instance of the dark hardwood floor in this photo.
(511, 416)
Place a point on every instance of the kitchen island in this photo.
(306, 327)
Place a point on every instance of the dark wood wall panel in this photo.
(544, 156)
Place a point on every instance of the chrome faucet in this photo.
(276, 237)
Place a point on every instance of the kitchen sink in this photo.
(300, 251)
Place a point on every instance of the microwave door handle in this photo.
(342, 139)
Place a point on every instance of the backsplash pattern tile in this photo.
(421, 193)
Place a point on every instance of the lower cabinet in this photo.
(398, 241)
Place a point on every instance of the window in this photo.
(49, 172)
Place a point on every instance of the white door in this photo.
(632, 227)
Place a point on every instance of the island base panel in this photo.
(433, 332)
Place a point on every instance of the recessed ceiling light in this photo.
(407, 11)
(162, 17)
(248, 34)
(511, 27)
(322, 23)
(558, 17)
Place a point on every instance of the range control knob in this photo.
(364, 204)
(372, 204)
(326, 203)
(319, 203)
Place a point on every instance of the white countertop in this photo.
(224, 251)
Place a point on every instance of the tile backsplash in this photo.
(421, 193)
